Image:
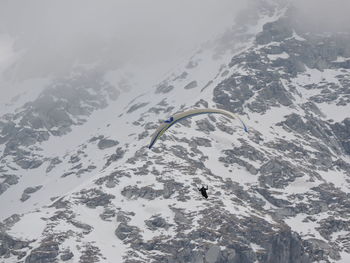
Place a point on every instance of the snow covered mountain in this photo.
(79, 184)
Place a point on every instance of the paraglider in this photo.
(203, 191)
(190, 113)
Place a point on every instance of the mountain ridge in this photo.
(277, 194)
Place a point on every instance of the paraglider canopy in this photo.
(190, 113)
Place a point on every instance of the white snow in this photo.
(115, 123)
(341, 59)
(297, 37)
(305, 229)
(283, 55)
(336, 112)
(30, 226)
(338, 178)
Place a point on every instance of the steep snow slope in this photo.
(92, 191)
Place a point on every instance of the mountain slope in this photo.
(277, 194)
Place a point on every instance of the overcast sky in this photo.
(323, 15)
(47, 37)
(52, 35)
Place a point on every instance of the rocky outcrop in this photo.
(286, 247)
(106, 143)
(10, 245)
(28, 191)
(93, 198)
(46, 252)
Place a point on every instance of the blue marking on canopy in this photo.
(169, 120)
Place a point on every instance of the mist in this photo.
(43, 38)
(324, 15)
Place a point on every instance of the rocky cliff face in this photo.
(279, 194)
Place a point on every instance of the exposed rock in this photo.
(213, 254)
(157, 222)
(278, 173)
(171, 187)
(124, 217)
(146, 192)
(55, 161)
(107, 214)
(136, 107)
(9, 244)
(94, 198)
(9, 180)
(205, 125)
(106, 143)
(230, 95)
(197, 141)
(46, 252)
(28, 191)
(90, 254)
(124, 231)
(231, 158)
(191, 85)
(25, 197)
(31, 190)
(9, 222)
(342, 131)
(287, 247)
(274, 31)
(268, 195)
(66, 255)
(319, 250)
(164, 88)
(85, 227)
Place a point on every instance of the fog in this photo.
(40, 38)
(48, 37)
(324, 15)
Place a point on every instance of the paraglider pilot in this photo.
(203, 191)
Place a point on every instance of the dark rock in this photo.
(164, 88)
(66, 255)
(55, 161)
(107, 214)
(90, 254)
(106, 143)
(136, 107)
(191, 85)
(146, 192)
(272, 199)
(197, 141)
(205, 125)
(119, 154)
(47, 252)
(124, 231)
(319, 250)
(342, 131)
(124, 217)
(87, 228)
(94, 198)
(31, 190)
(171, 187)
(286, 247)
(157, 222)
(25, 197)
(28, 191)
(275, 31)
(231, 158)
(278, 173)
(230, 94)
(9, 244)
(26, 163)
